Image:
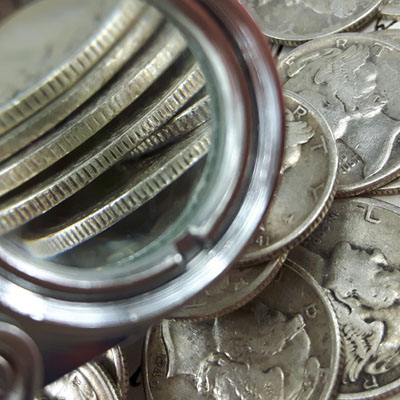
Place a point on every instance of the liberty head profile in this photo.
(343, 85)
(365, 291)
(274, 361)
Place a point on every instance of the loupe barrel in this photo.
(137, 158)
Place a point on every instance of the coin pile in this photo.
(312, 308)
(119, 93)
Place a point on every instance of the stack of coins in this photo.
(120, 92)
(310, 310)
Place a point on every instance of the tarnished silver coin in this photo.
(104, 107)
(88, 382)
(391, 9)
(285, 344)
(388, 189)
(354, 255)
(230, 291)
(141, 131)
(351, 80)
(114, 362)
(292, 22)
(45, 56)
(306, 188)
(61, 107)
(114, 196)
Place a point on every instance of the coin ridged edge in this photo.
(240, 303)
(298, 239)
(66, 139)
(368, 188)
(340, 353)
(60, 108)
(61, 80)
(94, 222)
(13, 216)
(354, 26)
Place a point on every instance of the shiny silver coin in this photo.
(165, 48)
(388, 189)
(230, 291)
(46, 56)
(285, 344)
(90, 381)
(142, 131)
(391, 9)
(354, 255)
(306, 188)
(114, 362)
(351, 80)
(116, 195)
(60, 108)
(292, 22)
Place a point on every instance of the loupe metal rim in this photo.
(251, 188)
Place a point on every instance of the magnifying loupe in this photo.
(139, 148)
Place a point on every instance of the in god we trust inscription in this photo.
(353, 254)
(283, 345)
(351, 79)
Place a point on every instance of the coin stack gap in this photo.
(102, 146)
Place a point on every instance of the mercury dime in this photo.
(114, 196)
(60, 108)
(114, 362)
(230, 291)
(90, 381)
(279, 19)
(285, 344)
(351, 80)
(46, 56)
(109, 103)
(308, 170)
(391, 9)
(141, 131)
(354, 255)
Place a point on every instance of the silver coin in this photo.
(309, 169)
(109, 103)
(61, 107)
(120, 193)
(391, 9)
(351, 80)
(390, 188)
(88, 382)
(114, 362)
(292, 22)
(142, 131)
(285, 344)
(46, 56)
(230, 291)
(354, 255)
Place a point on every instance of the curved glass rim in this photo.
(245, 183)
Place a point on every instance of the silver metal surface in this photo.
(391, 9)
(48, 117)
(231, 290)
(165, 48)
(292, 22)
(114, 196)
(46, 56)
(285, 344)
(388, 189)
(137, 132)
(353, 254)
(307, 186)
(351, 80)
(88, 382)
